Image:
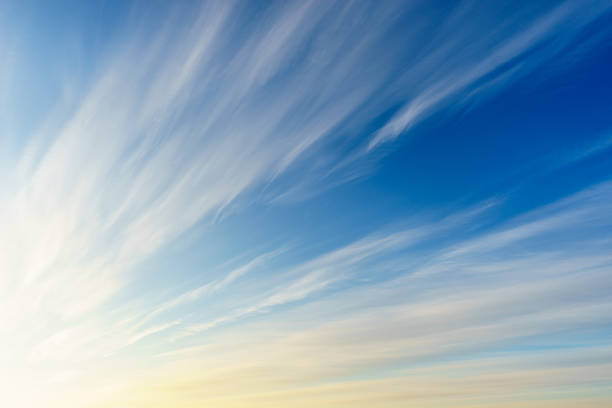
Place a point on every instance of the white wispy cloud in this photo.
(460, 81)
(202, 109)
(151, 330)
(470, 320)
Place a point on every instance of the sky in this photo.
(306, 203)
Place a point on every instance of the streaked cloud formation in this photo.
(190, 117)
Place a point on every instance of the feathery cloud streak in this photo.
(194, 113)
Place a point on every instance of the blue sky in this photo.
(246, 204)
